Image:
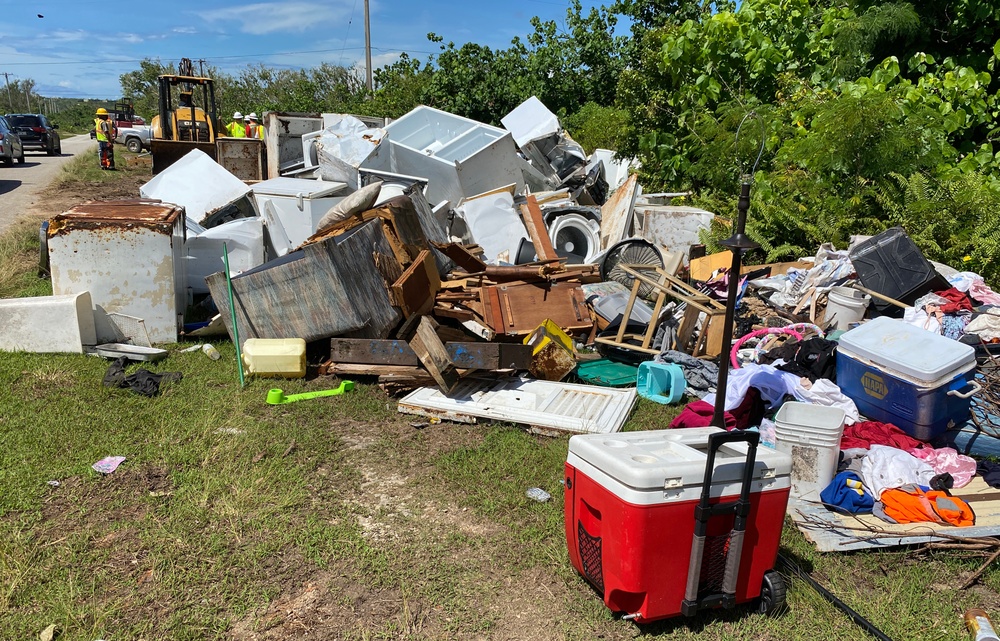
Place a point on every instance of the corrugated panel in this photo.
(559, 406)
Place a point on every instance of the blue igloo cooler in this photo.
(917, 380)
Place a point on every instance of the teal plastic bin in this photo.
(661, 382)
(607, 373)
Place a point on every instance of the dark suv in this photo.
(36, 132)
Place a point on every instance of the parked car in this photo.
(36, 132)
(135, 138)
(11, 148)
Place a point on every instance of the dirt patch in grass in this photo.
(71, 191)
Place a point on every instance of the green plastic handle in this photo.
(277, 396)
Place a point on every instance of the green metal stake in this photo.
(232, 315)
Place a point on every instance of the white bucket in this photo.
(845, 305)
(813, 465)
(810, 434)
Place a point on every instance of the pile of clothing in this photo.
(899, 479)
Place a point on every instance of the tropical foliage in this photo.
(872, 113)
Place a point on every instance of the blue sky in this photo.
(80, 47)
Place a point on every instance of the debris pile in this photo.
(487, 272)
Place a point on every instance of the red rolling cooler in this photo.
(667, 522)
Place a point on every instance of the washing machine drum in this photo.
(576, 237)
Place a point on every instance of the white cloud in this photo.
(131, 38)
(63, 35)
(273, 17)
(185, 30)
(378, 61)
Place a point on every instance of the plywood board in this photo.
(836, 533)
(518, 309)
(336, 287)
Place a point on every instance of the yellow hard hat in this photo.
(101, 111)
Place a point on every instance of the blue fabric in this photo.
(846, 494)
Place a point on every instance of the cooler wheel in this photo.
(772, 594)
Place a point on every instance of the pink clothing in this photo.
(947, 460)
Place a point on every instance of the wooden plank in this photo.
(539, 235)
(372, 352)
(364, 369)
(433, 355)
(463, 354)
(414, 291)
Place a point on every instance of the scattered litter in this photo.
(52, 483)
(131, 352)
(538, 494)
(419, 425)
(108, 464)
(48, 634)
(232, 431)
(211, 352)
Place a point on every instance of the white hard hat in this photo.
(237, 116)
(253, 115)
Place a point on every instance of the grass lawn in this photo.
(335, 519)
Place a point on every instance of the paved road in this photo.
(21, 184)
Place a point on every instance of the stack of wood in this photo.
(450, 301)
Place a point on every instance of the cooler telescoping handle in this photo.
(704, 511)
(976, 388)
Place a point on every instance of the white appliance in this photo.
(458, 157)
(296, 206)
(129, 255)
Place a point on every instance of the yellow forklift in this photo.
(178, 130)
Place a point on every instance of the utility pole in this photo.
(368, 49)
(10, 101)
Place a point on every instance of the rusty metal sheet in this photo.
(117, 214)
(242, 157)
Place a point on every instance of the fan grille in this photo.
(633, 251)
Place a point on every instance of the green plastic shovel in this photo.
(277, 396)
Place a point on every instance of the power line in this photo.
(211, 58)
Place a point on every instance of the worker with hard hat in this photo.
(255, 129)
(236, 128)
(104, 128)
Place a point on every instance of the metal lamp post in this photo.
(738, 244)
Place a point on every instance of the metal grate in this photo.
(130, 329)
(590, 557)
(713, 564)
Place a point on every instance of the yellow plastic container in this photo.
(275, 357)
